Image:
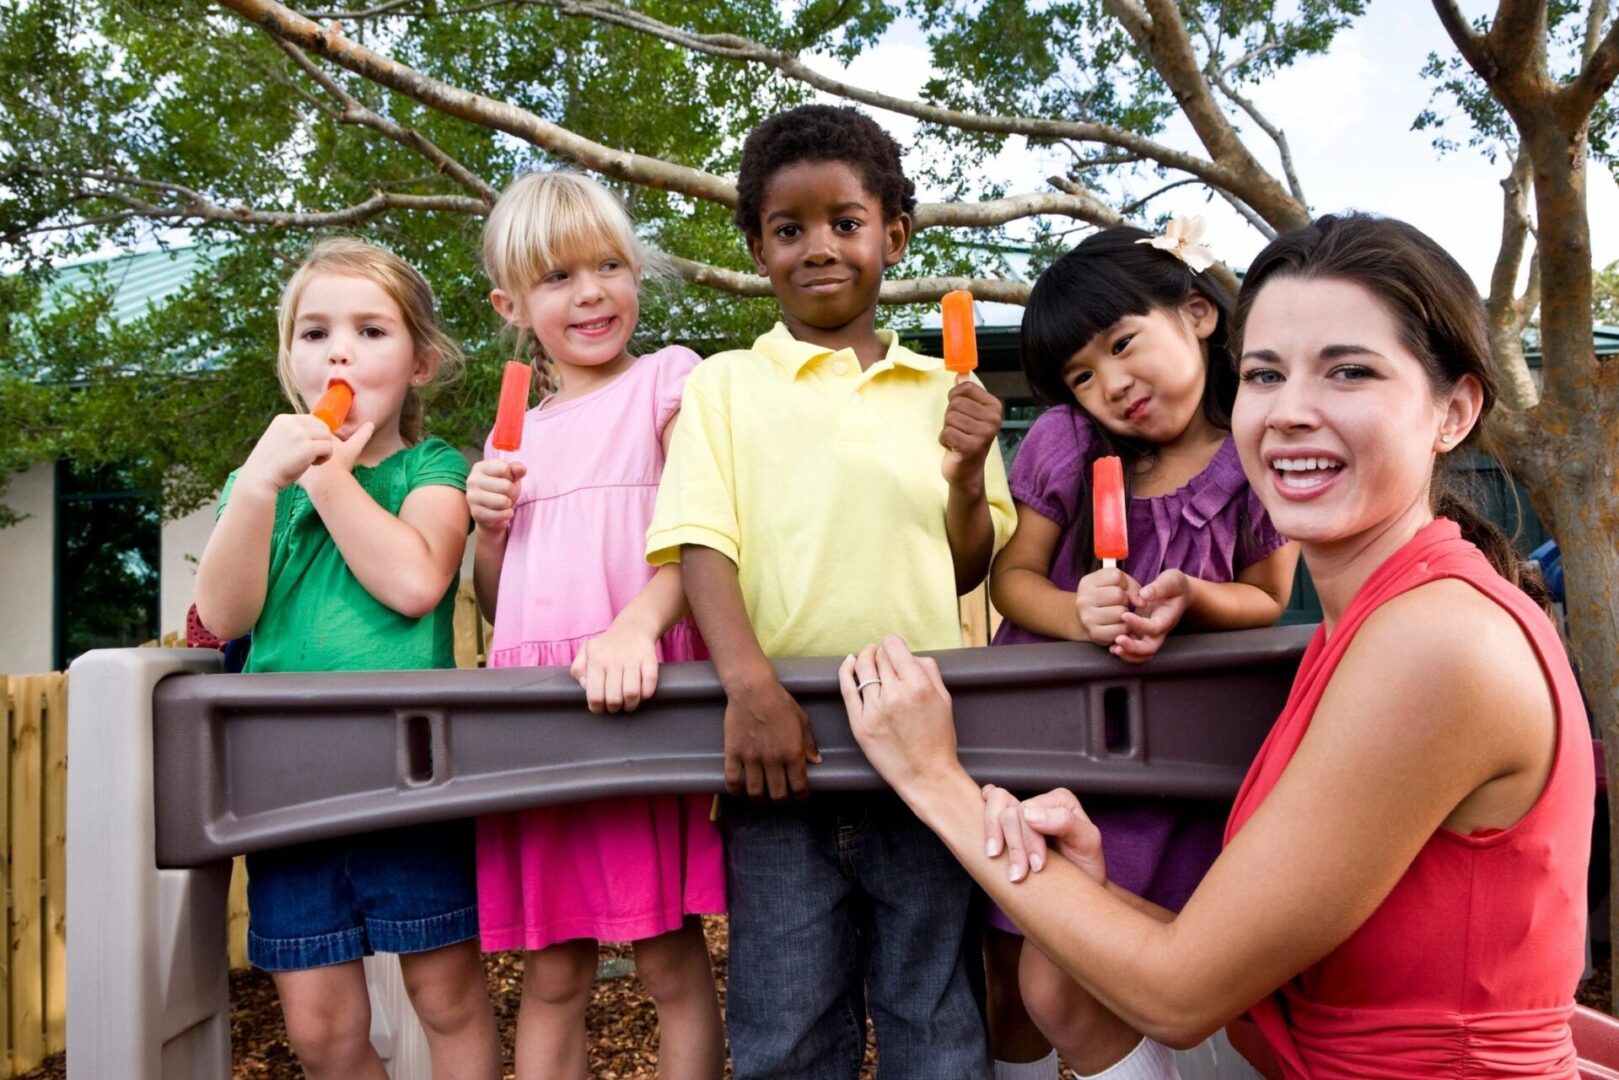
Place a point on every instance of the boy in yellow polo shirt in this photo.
(825, 487)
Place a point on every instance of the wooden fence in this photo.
(33, 825)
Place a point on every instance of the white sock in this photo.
(1148, 1061)
(1044, 1069)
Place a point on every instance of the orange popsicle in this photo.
(960, 336)
(514, 383)
(1107, 517)
(333, 407)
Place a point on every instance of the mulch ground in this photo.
(622, 1022)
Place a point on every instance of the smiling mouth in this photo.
(1135, 410)
(595, 326)
(824, 284)
(1304, 473)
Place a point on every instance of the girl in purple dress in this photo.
(1126, 339)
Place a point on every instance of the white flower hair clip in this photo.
(1180, 239)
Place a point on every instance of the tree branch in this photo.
(368, 13)
(1468, 42)
(1131, 209)
(1096, 212)
(1601, 64)
(1247, 213)
(197, 207)
(281, 22)
(1502, 309)
(993, 212)
(356, 112)
(1160, 33)
(736, 47)
(1217, 76)
(912, 291)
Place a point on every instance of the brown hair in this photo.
(356, 258)
(1441, 321)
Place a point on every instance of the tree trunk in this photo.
(1566, 449)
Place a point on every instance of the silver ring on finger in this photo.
(865, 683)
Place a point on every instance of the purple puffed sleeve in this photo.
(1047, 473)
(674, 364)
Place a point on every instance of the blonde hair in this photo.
(547, 220)
(407, 288)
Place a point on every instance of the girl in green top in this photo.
(340, 550)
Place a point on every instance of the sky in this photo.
(1347, 115)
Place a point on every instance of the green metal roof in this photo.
(140, 280)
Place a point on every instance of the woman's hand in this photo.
(1027, 829)
(618, 669)
(1160, 607)
(900, 713)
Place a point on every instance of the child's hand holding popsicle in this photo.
(493, 484)
(972, 418)
(1105, 597)
(293, 443)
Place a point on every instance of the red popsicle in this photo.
(514, 383)
(1108, 517)
(960, 336)
(333, 407)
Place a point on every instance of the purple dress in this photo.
(1213, 529)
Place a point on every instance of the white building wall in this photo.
(27, 574)
(183, 541)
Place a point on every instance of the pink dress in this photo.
(615, 869)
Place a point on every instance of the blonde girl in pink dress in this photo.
(559, 569)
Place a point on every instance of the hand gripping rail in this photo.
(248, 762)
(175, 769)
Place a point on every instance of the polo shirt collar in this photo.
(791, 355)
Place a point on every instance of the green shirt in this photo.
(317, 616)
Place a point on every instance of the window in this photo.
(107, 542)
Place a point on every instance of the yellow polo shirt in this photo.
(822, 483)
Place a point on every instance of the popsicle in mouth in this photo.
(514, 384)
(960, 335)
(333, 407)
(1108, 513)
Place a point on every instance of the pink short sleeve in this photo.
(674, 363)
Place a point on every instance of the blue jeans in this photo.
(834, 898)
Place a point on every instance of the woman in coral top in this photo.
(1402, 887)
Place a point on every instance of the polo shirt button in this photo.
(854, 399)
(839, 367)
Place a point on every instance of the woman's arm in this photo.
(1420, 723)
(1019, 585)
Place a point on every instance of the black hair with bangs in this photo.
(1107, 276)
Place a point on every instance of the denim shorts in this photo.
(401, 891)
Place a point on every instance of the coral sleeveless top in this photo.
(1468, 968)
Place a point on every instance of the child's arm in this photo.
(492, 488)
(405, 562)
(767, 736)
(619, 668)
(1019, 587)
(233, 574)
(1022, 591)
(1256, 598)
(972, 420)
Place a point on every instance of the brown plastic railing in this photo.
(248, 762)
